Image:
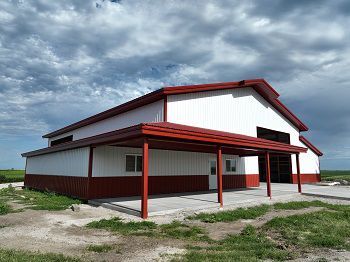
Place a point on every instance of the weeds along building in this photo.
(178, 139)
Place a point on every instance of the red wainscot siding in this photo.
(65, 185)
(103, 187)
(240, 181)
(306, 178)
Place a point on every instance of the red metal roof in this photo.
(311, 146)
(171, 133)
(259, 85)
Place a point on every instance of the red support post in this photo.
(268, 173)
(219, 174)
(144, 189)
(91, 156)
(298, 173)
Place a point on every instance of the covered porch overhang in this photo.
(170, 136)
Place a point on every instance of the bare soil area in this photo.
(65, 232)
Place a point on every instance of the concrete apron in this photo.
(193, 201)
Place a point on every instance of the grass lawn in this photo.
(328, 228)
(250, 245)
(35, 199)
(335, 175)
(16, 256)
(11, 176)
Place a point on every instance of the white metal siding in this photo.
(309, 162)
(149, 113)
(65, 163)
(237, 111)
(110, 161)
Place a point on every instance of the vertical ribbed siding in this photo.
(110, 161)
(153, 112)
(66, 185)
(65, 163)
(234, 110)
(237, 111)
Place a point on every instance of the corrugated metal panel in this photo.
(65, 163)
(237, 111)
(309, 163)
(240, 181)
(306, 178)
(110, 161)
(234, 110)
(66, 185)
(149, 113)
(103, 187)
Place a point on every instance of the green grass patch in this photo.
(326, 228)
(16, 256)
(250, 245)
(126, 228)
(293, 205)
(232, 215)
(335, 175)
(4, 208)
(180, 230)
(175, 229)
(38, 200)
(11, 176)
(100, 248)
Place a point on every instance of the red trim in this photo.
(310, 145)
(240, 181)
(183, 132)
(306, 178)
(259, 85)
(165, 109)
(268, 174)
(298, 173)
(66, 185)
(144, 184)
(170, 131)
(219, 174)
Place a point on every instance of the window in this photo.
(273, 135)
(61, 140)
(230, 165)
(133, 163)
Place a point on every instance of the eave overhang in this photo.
(174, 133)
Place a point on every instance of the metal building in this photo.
(178, 139)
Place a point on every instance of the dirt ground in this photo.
(64, 232)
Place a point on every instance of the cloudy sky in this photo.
(61, 61)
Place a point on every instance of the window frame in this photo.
(231, 159)
(135, 162)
